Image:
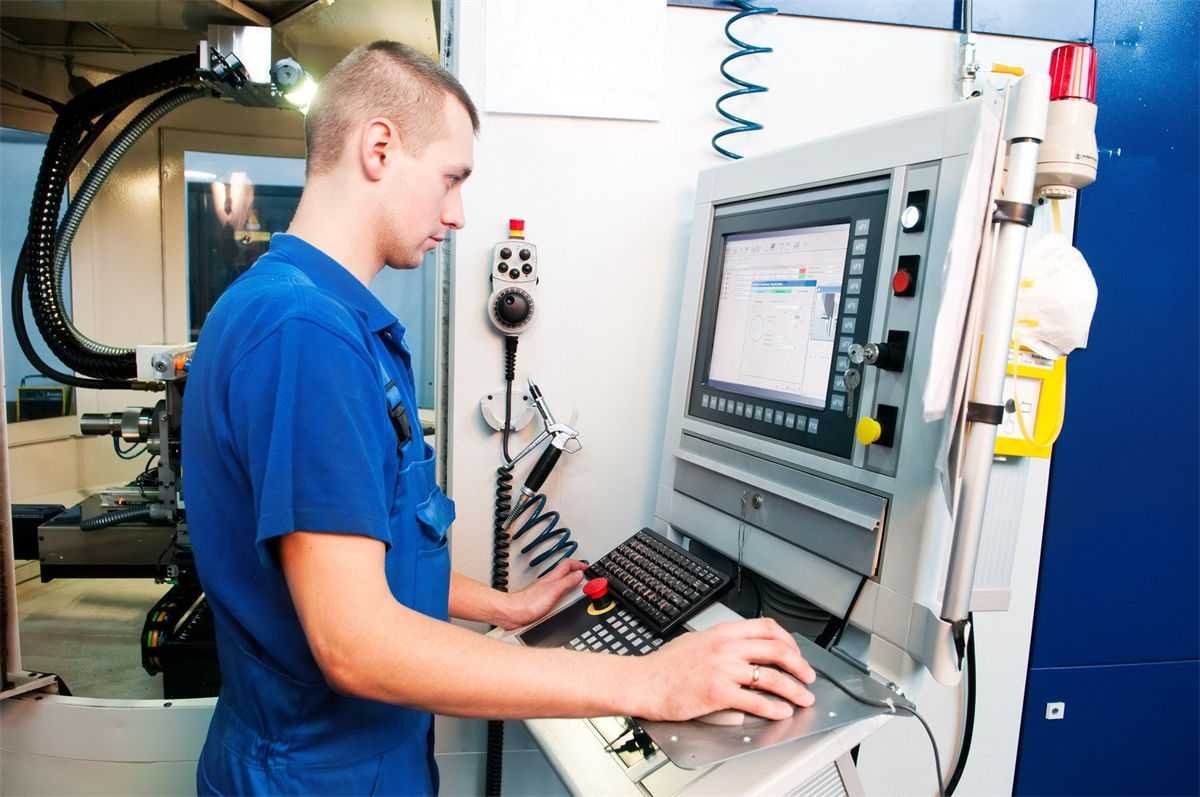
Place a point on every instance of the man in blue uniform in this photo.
(318, 528)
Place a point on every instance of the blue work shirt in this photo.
(286, 427)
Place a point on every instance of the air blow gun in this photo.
(561, 437)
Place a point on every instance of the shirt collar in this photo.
(333, 278)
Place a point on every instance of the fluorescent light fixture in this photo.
(199, 176)
(302, 95)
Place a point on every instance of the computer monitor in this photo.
(788, 291)
(777, 313)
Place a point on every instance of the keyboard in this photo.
(620, 633)
(657, 579)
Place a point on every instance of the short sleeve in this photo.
(309, 423)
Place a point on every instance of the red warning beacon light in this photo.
(516, 228)
(1067, 158)
(1073, 73)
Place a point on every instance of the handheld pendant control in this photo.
(514, 276)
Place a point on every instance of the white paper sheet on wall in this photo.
(575, 58)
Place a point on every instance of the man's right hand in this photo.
(706, 671)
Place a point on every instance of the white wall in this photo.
(609, 203)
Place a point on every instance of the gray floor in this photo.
(87, 631)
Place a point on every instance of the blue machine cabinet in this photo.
(1116, 626)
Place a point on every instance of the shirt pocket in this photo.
(434, 516)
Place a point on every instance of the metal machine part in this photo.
(158, 427)
(239, 60)
(134, 425)
(1026, 130)
(139, 549)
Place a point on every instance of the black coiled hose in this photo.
(139, 514)
(37, 266)
(563, 545)
(494, 766)
(500, 539)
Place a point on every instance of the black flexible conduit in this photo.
(964, 752)
(83, 198)
(17, 294)
(137, 515)
(62, 150)
(494, 767)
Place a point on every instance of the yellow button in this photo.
(868, 431)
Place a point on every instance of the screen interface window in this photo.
(777, 313)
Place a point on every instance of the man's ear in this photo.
(376, 150)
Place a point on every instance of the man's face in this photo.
(425, 192)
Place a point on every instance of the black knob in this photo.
(527, 269)
(505, 253)
(514, 273)
(892, 353)
(525, 254)
(502, 267)
(513, 308)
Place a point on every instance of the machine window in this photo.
(234, 204)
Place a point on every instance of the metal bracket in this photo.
(25, 682)
(985, 413)
(1019, 212)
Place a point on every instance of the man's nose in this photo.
(452, 213)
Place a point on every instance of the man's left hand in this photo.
(536, 600)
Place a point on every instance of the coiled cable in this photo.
(494, 762)
(500, 539)
(563, 545)
(742, 125)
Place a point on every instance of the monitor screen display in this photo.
(777, 313)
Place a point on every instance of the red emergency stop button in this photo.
(596, 589)
(904, 281)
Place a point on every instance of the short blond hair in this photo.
(382, 79)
